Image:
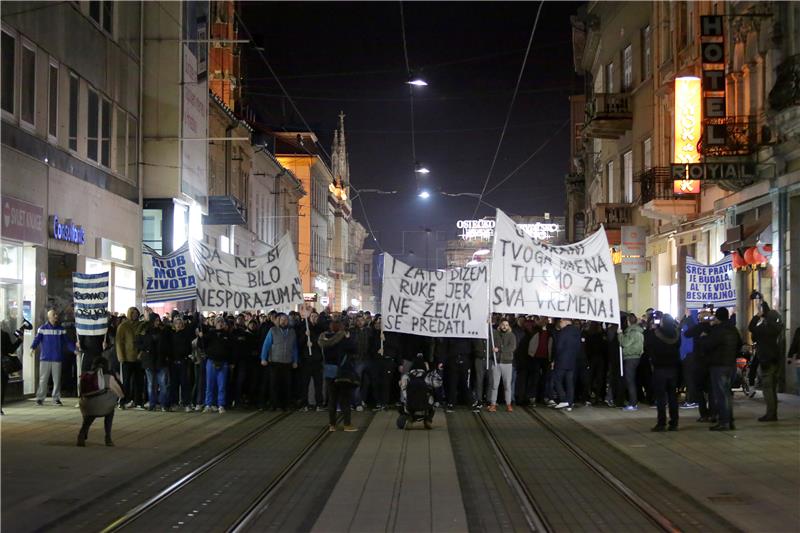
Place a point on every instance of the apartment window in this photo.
(666, 32)
(105, 134)
(683, 21)
(102, 13)
(610, 77)
(95, 9)
(74, 87)
(121, 140)
(133, 154)
(612, 194)
(52, 100)
(627, 68)
(647, 53)
(627, 176)
(647, 153)
(93, 125)
(9, 49)
(28, 85)
(367, 274)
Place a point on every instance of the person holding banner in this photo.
(567, 348)
(54, 343)
(505, 343)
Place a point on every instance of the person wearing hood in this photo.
(688, 359)
(632, 342)
(281, 354)
(664, 349)
(765, 331)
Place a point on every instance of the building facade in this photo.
(690, 131)
(71, 185)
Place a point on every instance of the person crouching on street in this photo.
(98, 400)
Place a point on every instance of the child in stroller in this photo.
(416, 395)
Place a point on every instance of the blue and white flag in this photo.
(90, 292)
(168, 278)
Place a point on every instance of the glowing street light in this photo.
(417, 82)
(424, 194)
(421, 169)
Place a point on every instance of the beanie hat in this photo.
(722, 314)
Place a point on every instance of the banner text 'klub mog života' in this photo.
(710, 284)
(435, 303)
(169, 278)
(571, 281)
(231, 283)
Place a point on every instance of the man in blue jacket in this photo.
(280, 352)
(567, 348)
(53, 340)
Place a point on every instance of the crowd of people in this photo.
(288, 361)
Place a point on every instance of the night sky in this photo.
(342, 56)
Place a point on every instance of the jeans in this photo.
(45, 369)
(688, 374)
(479, 377)
(501, 371)
(630, 366)
(360, 393)
(83, 433)
(280, 384)
(560, 377)
(539, 368)
(338, 395)
(769, 384)
(665, 385)
(180, 382)
(312, 371)
(199, 389)
(721, 377)
(158, 387)
(216, 383)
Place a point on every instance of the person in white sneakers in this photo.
(567, 348)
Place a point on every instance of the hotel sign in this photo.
(714, 171)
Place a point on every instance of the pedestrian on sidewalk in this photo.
(54, 344)
(664, 349)
(567, 348)
(723, 344)
(632, 341)
(336, 345)
(505, 342)
(99, 400)
(765, 331)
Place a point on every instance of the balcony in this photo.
(608, 115)
(659, 200)
(612, 216)
(736, 136)
(225, 211)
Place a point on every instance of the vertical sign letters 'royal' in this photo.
(435, 303)
(710, 284)
(231, 283)
(571, 281)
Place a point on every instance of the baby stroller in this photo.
(416, 395)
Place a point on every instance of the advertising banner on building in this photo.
(22, 221)
(571, 281)
(90, 293)
(435, 303)
(237, 283)
(710, 284)
(633, 249)
(168, 278)
(194, 120)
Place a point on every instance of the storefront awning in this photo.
(745, 237)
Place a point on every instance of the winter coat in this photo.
(722, 345)
(632, 342)
(182, 344)
(126, 340)
(567, 347)
(687, 343)
(54, 342)
(218, 345)
(335, 346)
(533, 345)
(362, 337)
(765, 333)
(506, 343)
(663, 347)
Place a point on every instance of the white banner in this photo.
(435, 303)
(168, 278)
(571, 281)
(710, 284)
(90, 293)
(231, 283)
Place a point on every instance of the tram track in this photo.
(229, 471)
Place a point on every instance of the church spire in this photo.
(340, 163)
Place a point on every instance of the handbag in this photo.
(346, 374)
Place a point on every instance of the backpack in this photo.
(417, 391)
(92, 383)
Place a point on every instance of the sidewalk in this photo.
(45, 475)
(751, 476)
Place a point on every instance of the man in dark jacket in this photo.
(362, 336)
(181, 368)
(664, 349)
(704, 397)
(218, 345)
(456, 370)
(311, 361)
(567, 348)
(722, 345)
(765, 331)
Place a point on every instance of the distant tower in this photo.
(339, 160)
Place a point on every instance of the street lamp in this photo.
(421, 169)
(424, 194)
(417, 82)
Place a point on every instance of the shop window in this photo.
(74, 89)
(627, 68)
(52, 100)
(9, 51)
(124, 291)
(28, 85)
(647, 53)
(105, 134)
(121, 141)
(627, 176)
(92, 129)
